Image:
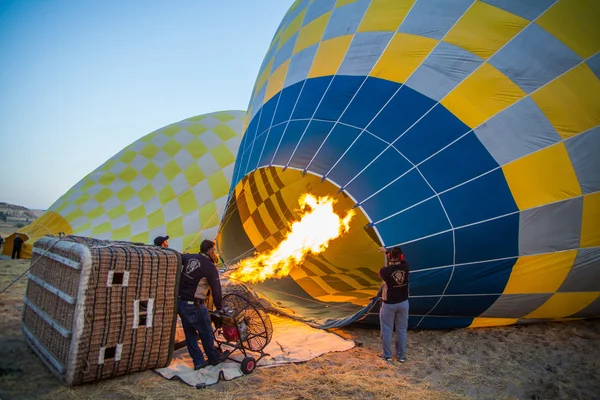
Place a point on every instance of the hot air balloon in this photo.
(173, 181)
(466, 132)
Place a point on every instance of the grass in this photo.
(541, 361)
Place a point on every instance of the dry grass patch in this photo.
(542, 361)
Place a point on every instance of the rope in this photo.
(27, 270)
(14, 281)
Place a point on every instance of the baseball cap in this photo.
(159, 240)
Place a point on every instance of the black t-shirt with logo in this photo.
(395, 278)
(198, 273)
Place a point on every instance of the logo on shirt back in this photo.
(191, 266)
(399, 277)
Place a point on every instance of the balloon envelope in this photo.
(466, 132)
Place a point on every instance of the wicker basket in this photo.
(98, 309)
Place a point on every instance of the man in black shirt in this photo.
(197, 275)
(16, 251)
(394, 307)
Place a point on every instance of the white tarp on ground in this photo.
(292, 342)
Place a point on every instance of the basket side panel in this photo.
(61, 311)
(47, 335)
(131, 311)
(49, 302)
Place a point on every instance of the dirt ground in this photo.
(6, 229)
(541, 361)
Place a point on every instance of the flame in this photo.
(318, 226)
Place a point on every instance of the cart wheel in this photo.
(248, 365)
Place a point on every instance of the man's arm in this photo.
(212, 275)
(385, 258)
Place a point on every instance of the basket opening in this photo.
(110, 353)
(118, 278)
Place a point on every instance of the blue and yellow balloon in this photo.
(465, 131)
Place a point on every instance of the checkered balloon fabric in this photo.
(173, 181)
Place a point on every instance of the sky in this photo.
(80, 80)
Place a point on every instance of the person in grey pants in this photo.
(394, 303)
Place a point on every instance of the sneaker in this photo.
(222, 357)
(401, 359)
(203, 365)
(384, 358)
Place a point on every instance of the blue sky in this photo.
(80, 80)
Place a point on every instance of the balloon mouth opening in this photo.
(334, 283)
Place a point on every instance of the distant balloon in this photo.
(173, 182)
(465, 131)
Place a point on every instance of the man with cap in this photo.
(394, 303)
(161, 241)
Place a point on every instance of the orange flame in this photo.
(318, 226)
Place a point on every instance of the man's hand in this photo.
(382, 249)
